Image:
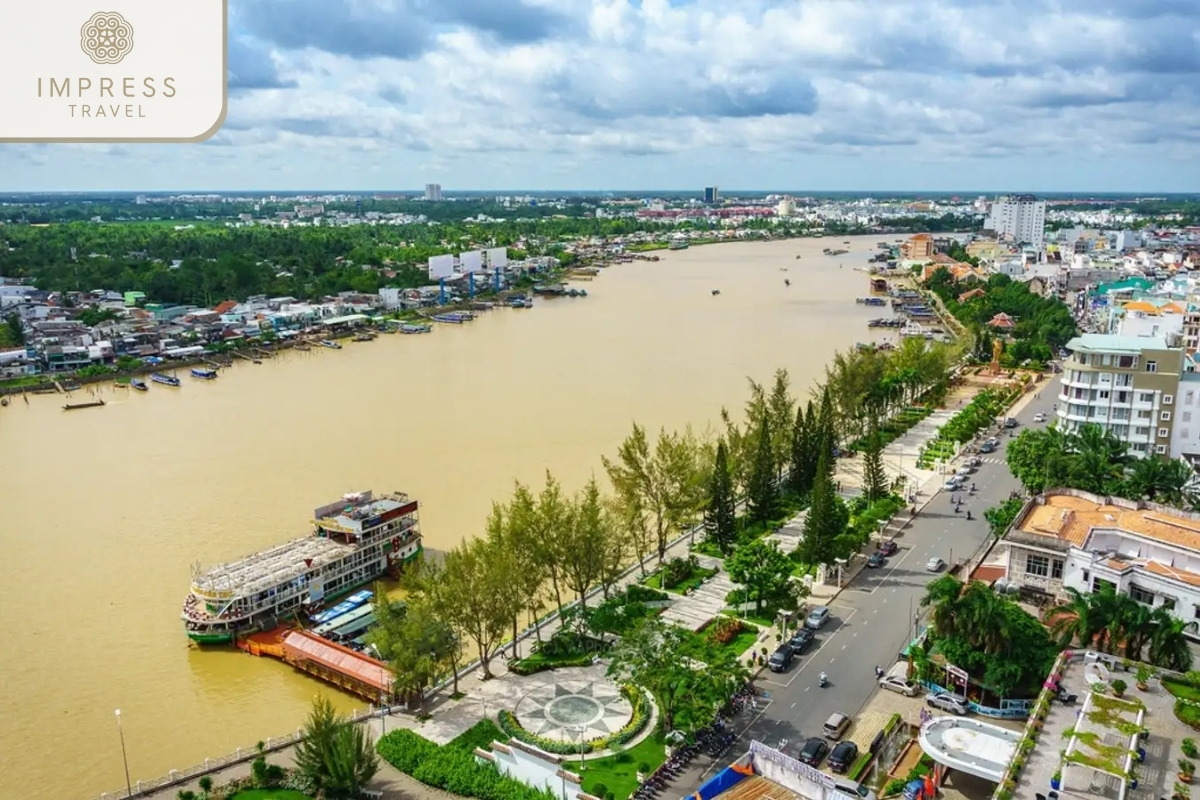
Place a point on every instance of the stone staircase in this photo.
(694, 610)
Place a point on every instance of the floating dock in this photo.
(354, 672)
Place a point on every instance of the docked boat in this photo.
(411, 328)
(871, 301)
(139, 384)
(165, 380)
(454, 317)
(520, 301)
(331, 344)
(204, 374)
(678, 244)
(355, 540)
(364, 337)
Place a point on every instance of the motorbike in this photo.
(969, 517)
(823, 680)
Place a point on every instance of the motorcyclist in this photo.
(878, 671)
(969, 517)
(822, 679)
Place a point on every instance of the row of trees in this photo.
(874, 384)
(1095, 460)
(544, 547)
(1118, 624)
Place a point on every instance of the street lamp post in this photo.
(124, 758)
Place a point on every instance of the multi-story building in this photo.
(1021, 218)
(1072, 539)
(433, 192)
(711, 195)
(1126, 385)
(919, 248)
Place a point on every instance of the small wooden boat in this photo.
(165, 380)
(716, 292)
(77, 406)
(331, 344)
(139, 384)
(204, 374)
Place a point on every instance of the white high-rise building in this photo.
(433, 192)
(1021, 217)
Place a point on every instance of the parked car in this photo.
(801, 639)
(813, 752)
(876, 560)
(935, 565)
(854, 789)
(1011, 422)
(843, 756)
(964, 470)
(952, 483)
(947, 702)
(817, 618)
(974, 461)
(1039, 417)
(899, 685)
(781, 659)
(987, 447)
(835, 726)
(888, 547)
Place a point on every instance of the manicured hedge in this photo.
(637, 723)
(453, 769)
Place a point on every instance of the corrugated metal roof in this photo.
(301, 645)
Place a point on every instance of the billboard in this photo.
(471, 262)
(497, 257)
(441, 267)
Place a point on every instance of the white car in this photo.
(952, 483)
(935, 565)
(899, 685)
(1039, 417)
(947, 702)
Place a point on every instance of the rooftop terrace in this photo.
(969, 745)
(357, 510)
(268, 568)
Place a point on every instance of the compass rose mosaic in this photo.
(560, 710)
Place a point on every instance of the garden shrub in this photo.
(453, 769)
(725, 629)
(513, 729)
(636, 593)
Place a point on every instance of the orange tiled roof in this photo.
(225, 307)
(1070, 519)
(921, 237)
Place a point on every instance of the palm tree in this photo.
(943, 596)
(1160, 481)
(206, 784)
(1083, 618)
(1169, 648)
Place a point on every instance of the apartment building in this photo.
(1021, 218)
(1126, 385)
(433, 193)
(1068, 538)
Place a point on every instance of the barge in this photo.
(354, 541)
(75, 406)
(411, 328)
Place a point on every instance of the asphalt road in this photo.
(875, 617)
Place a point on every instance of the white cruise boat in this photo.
(354, 541)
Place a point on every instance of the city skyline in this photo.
(1034, 96)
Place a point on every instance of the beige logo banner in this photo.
(129, 71)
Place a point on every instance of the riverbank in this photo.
(236, 465)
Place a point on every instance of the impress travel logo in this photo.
(132, 71)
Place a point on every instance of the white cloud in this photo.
(589, 93)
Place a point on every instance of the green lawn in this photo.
(619, 773)
(1182, 690)
(270, 794)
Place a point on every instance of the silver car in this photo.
(817, 618)
(948, 702)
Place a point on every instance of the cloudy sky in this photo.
(1016, 95)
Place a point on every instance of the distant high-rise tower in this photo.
(1021, 217)
(711, 195)
(433, 192)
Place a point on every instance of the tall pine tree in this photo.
(824, 440)
(874, 478)
(824, 522)
(720, 516)
(803, 466)
(762, 498)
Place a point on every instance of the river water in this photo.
(107, 509)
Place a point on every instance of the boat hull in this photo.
(210, 639)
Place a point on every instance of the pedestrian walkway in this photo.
(699, 606)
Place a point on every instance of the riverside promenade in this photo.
(442, 718)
